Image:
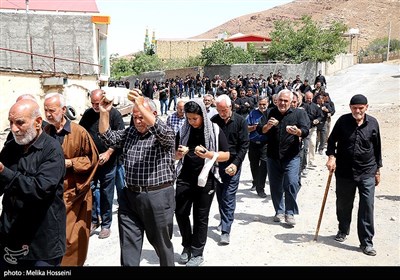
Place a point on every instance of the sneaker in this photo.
(224, 239)
(93, 228)
(368, 250)
(104, 233)
(253, 188)
(195, 261)
(262, 194)
(278, 218)
(185, 256)
(340, 236)
(321, 152)
(289, 219)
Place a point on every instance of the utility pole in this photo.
(388, 46)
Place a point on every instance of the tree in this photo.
(144, 63)
(379, 46)
(140, 63)
(120, 67)
(294, 41)
(225, 53)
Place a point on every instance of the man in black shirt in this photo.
(105, 173)
(354, 151)
(284, 126)
(235, 128)
(32, 168)
(320, 78)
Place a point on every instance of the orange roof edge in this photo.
(101, 19)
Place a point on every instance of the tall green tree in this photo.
(120, 67)
(306, 40)
(225, 54)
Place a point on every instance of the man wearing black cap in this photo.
(354, 151)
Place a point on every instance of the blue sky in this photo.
(170, 18)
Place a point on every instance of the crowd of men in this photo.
(48, 172)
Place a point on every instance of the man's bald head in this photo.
(26, 96)
(95, 98)
(27, 107)
(98, 93)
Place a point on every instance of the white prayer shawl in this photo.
(211, 136)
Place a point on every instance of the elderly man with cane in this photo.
(354, 151)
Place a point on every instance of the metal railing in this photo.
(53, 57)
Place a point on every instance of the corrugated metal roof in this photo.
(247, 38)
(88, 6)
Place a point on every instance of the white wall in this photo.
(13, 85)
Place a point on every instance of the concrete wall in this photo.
(68, 32)
(342, 61)
(20, 74)
(305, 70)
(13, 85)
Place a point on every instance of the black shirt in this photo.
(237, 135)
(281, 144)
(357, 148)
(90, 121)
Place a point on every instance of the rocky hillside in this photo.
(371, 17)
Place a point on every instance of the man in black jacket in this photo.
(32, 169)
(284, 126)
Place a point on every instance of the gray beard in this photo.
(29, 136)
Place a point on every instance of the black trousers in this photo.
(152, 212)
(258, 165)
(188, 194)
(345, 194)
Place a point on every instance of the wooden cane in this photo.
(328, 183)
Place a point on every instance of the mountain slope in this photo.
(371, 17)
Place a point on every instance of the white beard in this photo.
(30, 134)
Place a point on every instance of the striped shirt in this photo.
(149, 159)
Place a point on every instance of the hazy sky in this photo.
(170, 18)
